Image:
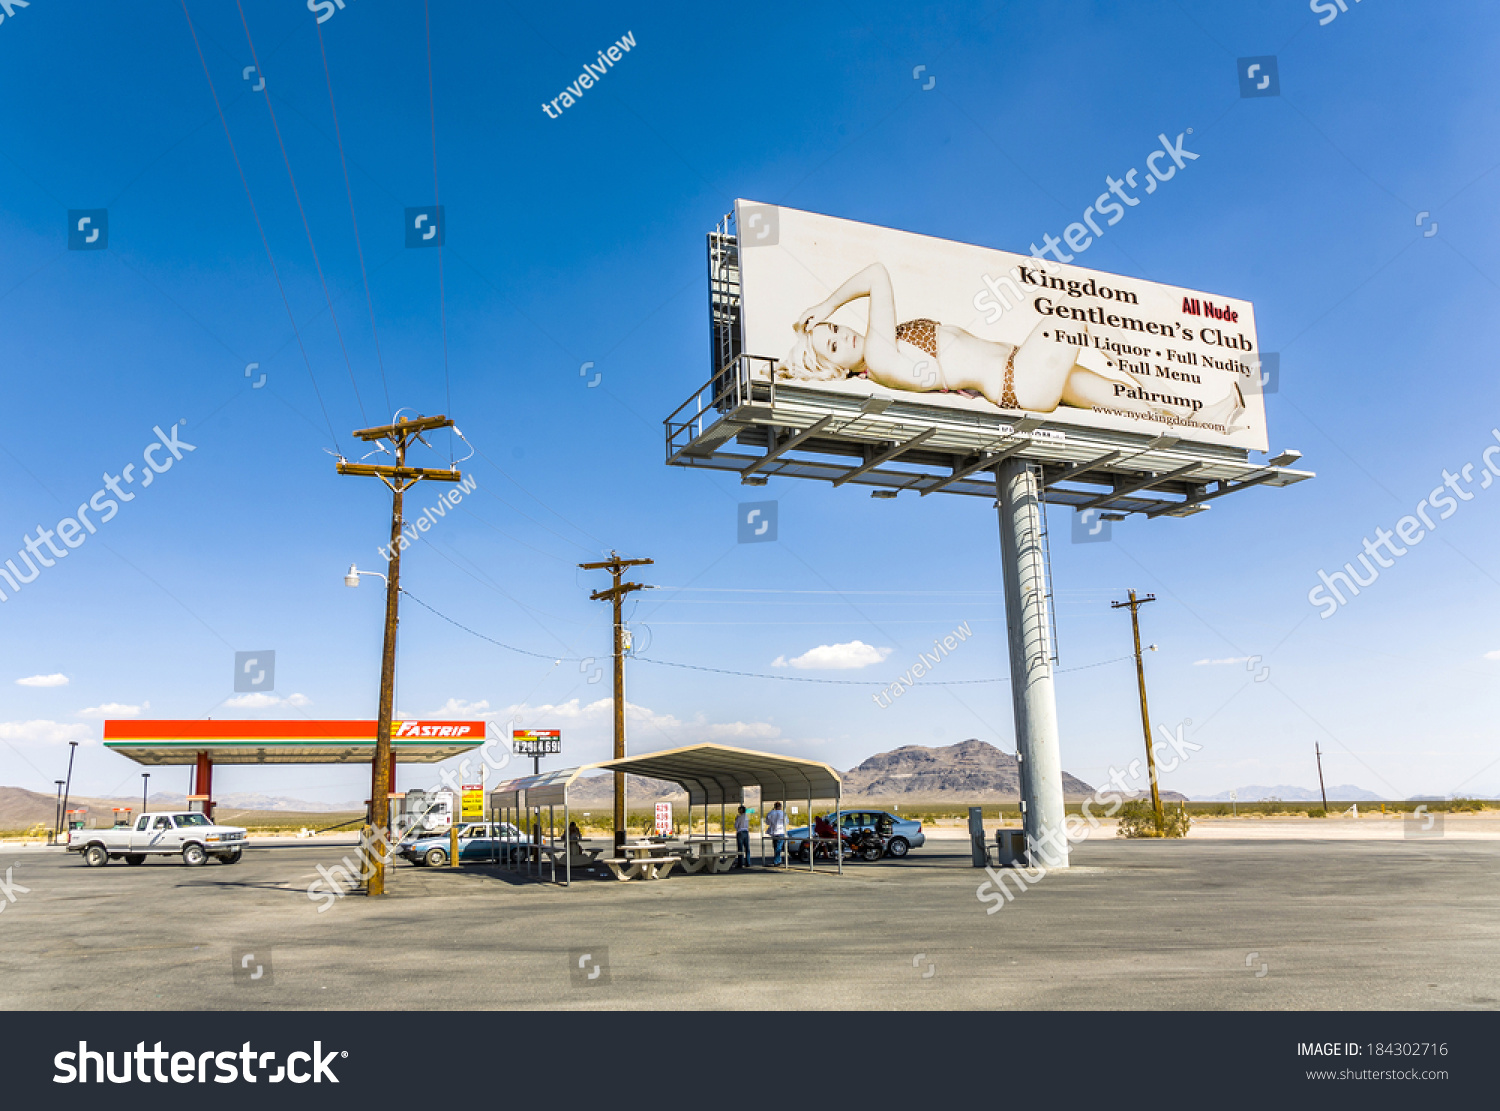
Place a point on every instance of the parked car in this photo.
(901, 834)
(477, 841)
(190, 834)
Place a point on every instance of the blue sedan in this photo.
(477, 842)
(901, 834)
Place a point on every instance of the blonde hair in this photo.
(805, 363)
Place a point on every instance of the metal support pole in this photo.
(1027, 628)
(67, 791)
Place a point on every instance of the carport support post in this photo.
(1033, 698)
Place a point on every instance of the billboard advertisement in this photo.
(861, 310)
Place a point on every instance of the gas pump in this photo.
(122, 817)
(74, 820)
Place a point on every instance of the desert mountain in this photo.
(970, 770)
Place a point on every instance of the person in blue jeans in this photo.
(776, 827)
(742, 838)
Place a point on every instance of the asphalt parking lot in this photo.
(1160, 925)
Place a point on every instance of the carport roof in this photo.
(546, 789)
(717, 773)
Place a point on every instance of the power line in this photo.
(306, 228)
(259, 227)
(727, 671)
(437, 201)
(349, 190)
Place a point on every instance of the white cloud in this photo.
(260, 700)
(835, 657)
(462, 708)
(1495, 655)
(56, 679)
(113, 710)
(44, 732)
(593, 721)
(1226, 660)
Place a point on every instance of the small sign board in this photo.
(664, 817)
(536, 742)
(473, 802)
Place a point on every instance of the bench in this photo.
(649, 868)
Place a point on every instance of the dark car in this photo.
(901, 834)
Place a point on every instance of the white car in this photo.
(188, 834)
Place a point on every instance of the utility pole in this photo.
(1140, 674)
(399, 478)
(616, 594)
(1321, 789)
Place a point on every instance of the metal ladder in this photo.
(1039, 588)
(725, 339)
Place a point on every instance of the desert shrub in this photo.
(1317, 812)
(1138, 819)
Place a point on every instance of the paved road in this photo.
(1209, 924)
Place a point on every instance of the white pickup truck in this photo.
(180, 833)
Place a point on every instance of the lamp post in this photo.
(144, 784)
(68, 783)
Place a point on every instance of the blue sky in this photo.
(580, 240)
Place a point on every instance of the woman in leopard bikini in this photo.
(923, 355)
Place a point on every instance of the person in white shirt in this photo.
(776, 827)
(742, 838)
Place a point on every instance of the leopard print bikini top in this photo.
(919, 333)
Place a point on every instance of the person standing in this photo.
(776, 827)
(742, 838)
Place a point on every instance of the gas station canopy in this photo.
(287, 742)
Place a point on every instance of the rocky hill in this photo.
(972, 770)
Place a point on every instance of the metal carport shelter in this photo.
(532, 792)
(718, 773)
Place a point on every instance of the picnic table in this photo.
(709, 855)
(640, 862)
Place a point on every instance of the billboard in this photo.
(861, 310)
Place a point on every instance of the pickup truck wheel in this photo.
(95, 856)
(232, 857)
(193, 855)
(435, 858)
(135, 858)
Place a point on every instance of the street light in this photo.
(352, 578)
(68, 783)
